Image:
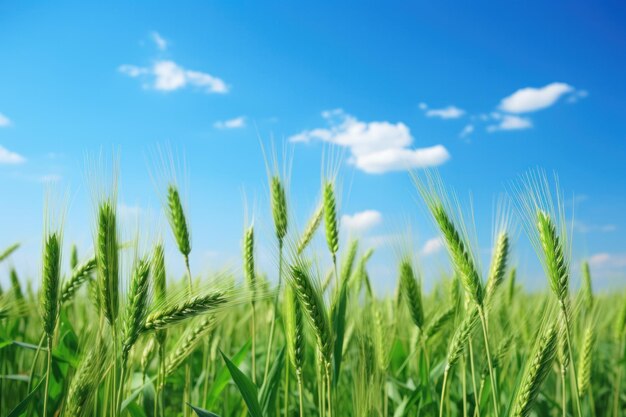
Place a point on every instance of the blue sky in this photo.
(481, 91)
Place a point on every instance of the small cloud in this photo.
(432, 246)
(236, 123)
(169, 76)
(159, 41)
(4, 121)
(531, 99)
(128, 213)
(510, 122)
(10, 158)
(450, 112)
(361, 221)
(467, 130)
(577, 95)
(375, 147)
(608, 260)
(591, 228)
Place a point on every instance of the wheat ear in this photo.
(310, 229)
(190, 308)
(412, 292)
(80, 274)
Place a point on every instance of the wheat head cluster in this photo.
(95, 334)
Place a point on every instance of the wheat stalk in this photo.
(80, 274)
(279, 208)
(330, 220)
(412, 292)
(107, 261)
(585, 360)
(498, 266)
(188, 343)
(137, 307)
(310, 229)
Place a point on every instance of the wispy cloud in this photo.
(509, 122)
(375, 147)
(608, 260)
(10, 158)
(432, 246)
(450, 112)
(236, 123)
(593, 228)
(4, 121)
(531, 99)
(361, 221)
(467, 130)
(159, 40)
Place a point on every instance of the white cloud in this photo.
(531, 99)
(159, 41)
(450, 112)
(590, 228)
(608, 260)
(4, 121)
(510, 122)
(432, 246)
(169, 76)
(467, 130)
(578, 95)
(361, 221)
(375, 147)
(237, 122)
(10, 158)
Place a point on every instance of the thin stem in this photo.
(618, 383)
(187, 389)
(275, 313)
(494, 388)
(571, 357)
(49, 366)
(443, 390)
(473, 372)
(34, 364)
(464, 386)
(563, 393)
(286, 390)
(300, 395)
(253, 342)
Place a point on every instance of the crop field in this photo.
(94, 336)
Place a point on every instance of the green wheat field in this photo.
(310, 337)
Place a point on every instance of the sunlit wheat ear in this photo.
(536, 372)
(279, 208)
(313, 306)
(556, 264)
(585, 360)
(8, 251)
(460, 254)
(188, 342)
(183, 310)
(348, 261)
(248, 257)
(587, 288)
(85, 382)
(137, 307)
(310, 229)
(498, 265)
(462, 333)
(330, 218)
(294, 329)
(51, 277)
(412, 293)
(107, 260)
(158, 274)
(81, 273)
(178, 221)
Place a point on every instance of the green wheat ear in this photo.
(8, 251)
(535, 373)
(158, 274)
(178, 222)
(107, 261)
(330, 219)
(279, 208)
(294, 329)
(50, 283)
(80, 274)
(137, 308)
(587, 288)
(498, 266)
(461, 257)
(310, 229)
(412, 292)
(585, 360)
(558, 273)
(248, 257)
